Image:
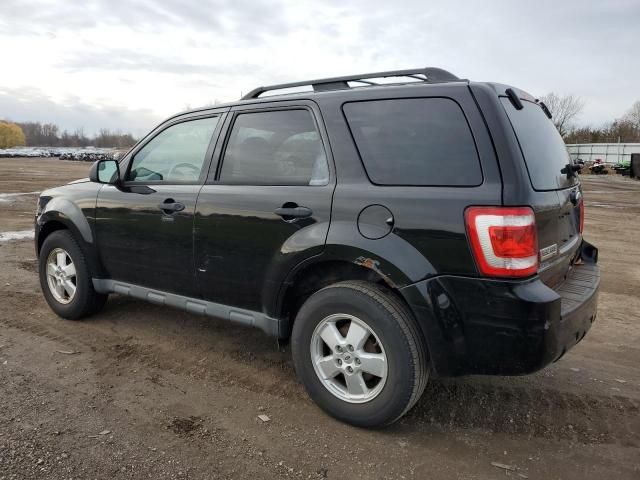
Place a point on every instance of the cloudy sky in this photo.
(127, 64)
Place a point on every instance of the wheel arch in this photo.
(46, 229)
(73, 220)
(65, 214)
(322, 271)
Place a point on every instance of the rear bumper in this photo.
(578, 309)
(483, 326)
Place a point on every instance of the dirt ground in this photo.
(144, 392)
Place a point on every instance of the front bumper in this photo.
(483, 326)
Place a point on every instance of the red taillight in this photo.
(504, 240)
(581, 207)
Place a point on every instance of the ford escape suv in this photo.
(391, 226)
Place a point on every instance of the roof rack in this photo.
(428, 75)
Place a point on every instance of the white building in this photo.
(611, 153)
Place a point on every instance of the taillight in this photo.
(581, 208)
(503, 240)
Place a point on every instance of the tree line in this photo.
(49, 135)
(567, 109)
(36, 134)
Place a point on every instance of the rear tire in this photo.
(378, 366)
(65, 277)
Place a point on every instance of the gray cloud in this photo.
(246, 20)
(28, 104)
(118, 59)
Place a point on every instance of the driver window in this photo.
(176, 154)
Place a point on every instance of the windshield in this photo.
(544, 151)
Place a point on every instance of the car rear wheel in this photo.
(65, 277)
(358, 351)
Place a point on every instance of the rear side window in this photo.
(275, 148)
(417, 141)
(542, 146)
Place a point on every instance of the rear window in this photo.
(417, 141)
(543, 149)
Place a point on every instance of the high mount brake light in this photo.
(503, 240)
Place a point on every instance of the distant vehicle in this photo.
(389, 231)
(598, 168)
(623, 168)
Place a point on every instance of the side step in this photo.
(271, 326)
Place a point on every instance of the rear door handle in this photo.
(171, 207)
(290, 213)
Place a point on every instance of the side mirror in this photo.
(105, 171)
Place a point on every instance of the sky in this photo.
(124, 64)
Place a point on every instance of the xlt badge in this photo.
(548, 252)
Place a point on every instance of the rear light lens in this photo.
(504, 240)
(581, 207)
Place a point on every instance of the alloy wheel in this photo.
(61, 276)
(349, 358)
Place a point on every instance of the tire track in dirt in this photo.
(233, 368)
(34, 327)
(448, 404)
(531, 411)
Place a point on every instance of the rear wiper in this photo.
(570, 170)
(545, 109)
(514, 99)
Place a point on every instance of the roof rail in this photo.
(428, 75)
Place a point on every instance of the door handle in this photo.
(291, 213)
(171, 206)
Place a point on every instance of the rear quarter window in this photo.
(414, 141)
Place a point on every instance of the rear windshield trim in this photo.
(355, 143)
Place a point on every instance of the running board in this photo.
(193, 305)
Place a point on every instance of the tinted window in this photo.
(414, 142)
(176, 154)
(542, 146)
(275, 148)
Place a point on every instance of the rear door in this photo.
(557, 194)
(266, 207)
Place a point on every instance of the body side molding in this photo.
(194, 305)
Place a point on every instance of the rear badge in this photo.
(548, 252)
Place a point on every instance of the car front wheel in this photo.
(65, 277)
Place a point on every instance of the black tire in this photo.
(393, 324)
(86, 300)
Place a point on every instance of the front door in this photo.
(144, 228)
(268, 207)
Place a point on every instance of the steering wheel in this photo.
(196, 170)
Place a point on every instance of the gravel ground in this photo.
(144, 392)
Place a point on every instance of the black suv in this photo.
(390, 230)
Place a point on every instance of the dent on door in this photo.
(246, 243)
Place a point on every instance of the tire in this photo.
(85, 300)
(394, 335)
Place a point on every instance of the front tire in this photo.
(358, 352)
(65, 277)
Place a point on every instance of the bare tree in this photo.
(633, 114)
(565, 109)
